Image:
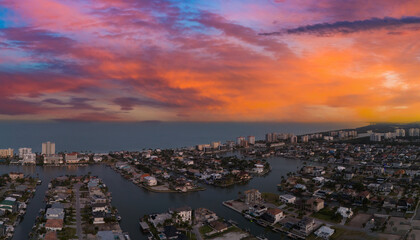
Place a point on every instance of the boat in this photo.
(262, 238)
(119, 218)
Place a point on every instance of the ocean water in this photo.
(102, 137)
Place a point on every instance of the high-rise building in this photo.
(400, 132)
(48, 148)
(215, 145)
(293, 139)
(251, 140)
(6, 152)
(230, 144)
(353, 133)
(389, 135)
(375, 137)
(343, 134)
(23, 151)
(413, 132)
(269, 137)
(240, 141)
(305, 138)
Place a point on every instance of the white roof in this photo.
(345, 212)
(324, 231)
(287, 196)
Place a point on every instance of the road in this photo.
(78, 216)
(197, 232)
(416, 215)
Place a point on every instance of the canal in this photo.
(133, 202)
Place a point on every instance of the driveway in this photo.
(78, 216)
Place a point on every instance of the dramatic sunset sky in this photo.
(210, 60)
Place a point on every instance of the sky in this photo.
(212, 60)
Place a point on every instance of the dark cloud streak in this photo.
(346, 27)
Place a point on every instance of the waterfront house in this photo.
(16, 175)
(157, 219)
(99, 207)
(71, 158)
(257, 210)
(258, 168)
(287, 198)
(54, 224)
(98, 217)
(205, 215)
(97, 158)
(97, 198)
(252, 196)
(171, 232)
(144, 176)
(55, 213)
(8, 205)
(53, 159)
(183, 214)
(150, 181)
(273, 215)
(306, 226)
(218, 226)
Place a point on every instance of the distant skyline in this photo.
(218, 60)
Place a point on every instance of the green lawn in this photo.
(271, 198)
(327, 215)
(205, 229)
(341, 233)
(67, 233)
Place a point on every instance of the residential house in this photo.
(16, 175)
(273, 215)
(98, 217)
(252, 196)
(55, 213)
(205, 215)
(99, 207)
(150, 181)
(218, 226)
(314, 204)
(287, 198)
(183, 214)
(324, 232)
(54, 224)
(306, 226)
(71, 158)
(345, 212)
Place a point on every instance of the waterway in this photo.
(133, 202)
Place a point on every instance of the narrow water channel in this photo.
(133, 202)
